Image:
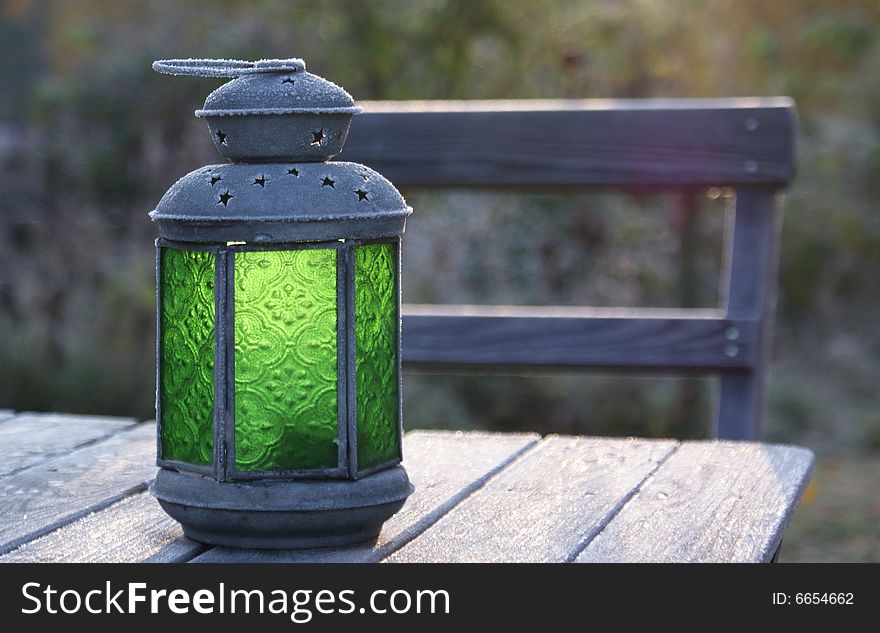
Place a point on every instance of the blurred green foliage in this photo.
(90, 138)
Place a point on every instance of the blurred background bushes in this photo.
(90, 138)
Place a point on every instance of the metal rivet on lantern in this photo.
(278, 396)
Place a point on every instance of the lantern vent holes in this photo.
(288, 80)
(215, 180)
(327, 181)
(224, 198)
(293, 171)
(362, 195)
(221, 137)
(318, 137)
(261, 180)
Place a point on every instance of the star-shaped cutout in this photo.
(328, 182)
(288, 80)
(222, 138)
(260, 181)
(215, 180)
(318, 137)
(225, 197)
(362, 195)
(293, 171)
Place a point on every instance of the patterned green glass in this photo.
(376, 333)
(186, 362)
(285, 360)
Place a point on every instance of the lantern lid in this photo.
(281, 202)
(267, 86)
(273, 109)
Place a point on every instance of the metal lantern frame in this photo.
(223, 454)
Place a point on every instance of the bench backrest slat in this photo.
(506, 338)
(577, 143)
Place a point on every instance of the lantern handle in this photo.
(226, 67)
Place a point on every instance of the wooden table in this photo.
(73, 488)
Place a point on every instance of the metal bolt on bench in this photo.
(278, 357)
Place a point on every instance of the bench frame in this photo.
(630, 145)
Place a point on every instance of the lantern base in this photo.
(276, 514)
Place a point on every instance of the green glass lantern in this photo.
(278, 368)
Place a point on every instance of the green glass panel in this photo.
(187, 355)
(285, 360)
(376, 332)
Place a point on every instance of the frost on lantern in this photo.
(278, 395)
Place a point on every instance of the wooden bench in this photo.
(685, 145)
(73, 488)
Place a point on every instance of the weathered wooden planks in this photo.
(47, 495)
(479, 497)
(444, 467)
(709, 502)
(577, 142)
(554, 337)
(544, 507)
(131, 530)
(30, 438)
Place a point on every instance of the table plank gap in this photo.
(542, 507)
(31, 438)
(445, 467)
(133, 529)
(48, 495)
(408, 534)
(710, 502)
(603, 523)
(182, 550)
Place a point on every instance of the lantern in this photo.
(278, 365)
